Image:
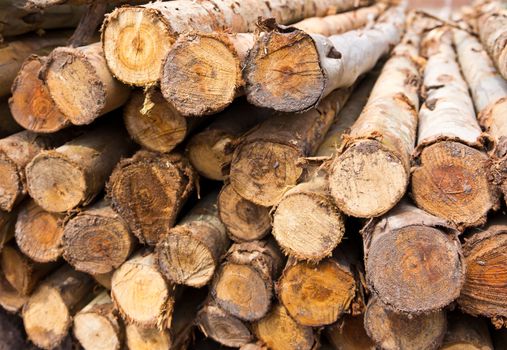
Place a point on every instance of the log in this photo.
(466, 332)
(72, 175)
(280, 332)
(97, 240)
(307, 224)
(451, 177)
(153, 123)
(265, 164)
(8, 125)
(148, 191)
(39, 233)
(7, 223)
(245, 221)
(210, 151)
(10, 299)
(97, 326)
(317, 294)
(138, 338)
(22, 273)
(349, 334)
(47, 315)
(243, 286)
(222, 327)
(104, 279)
(31, 104)
(392, 331)
(291, 70)
(404, 255)
(81, 85)
(370, 172)
(141, 294)
(486, 279)
(192, 250)
(136, 39)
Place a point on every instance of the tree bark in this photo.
(451, 177)
(370, 171)
(148, 191)
(392, 331)
(97, 240)
(72, 175)
(465, 332)
(48, 313)
(349, 334)
(81, 85)
(10, 299)
(97, 326)
(7, 223)
(136, 39)
(290, 70)
(191, 251)
(243, 286)
(265, 164)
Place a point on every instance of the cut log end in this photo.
(245, 221)
(135, 42)
(11, 184)
(416, 269)
(95, 331)
(367, 180)
(17, 269)
(264, 180)
(147, 339)
(452, 182)
(201, 74)
(317, 295)
(283, 72)
(10, 299)
(209, 151)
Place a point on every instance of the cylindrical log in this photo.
(349, 334)
(141, 294)
(392, 331)
(39, 233)
(148, 191)
(73, 174)
(307, 224)
(191, 251)
(97, 327)
(10, 299)
(31, 104)
(243, 286)
(451, 177)
(104, 279)
(138, 338)
(291, 70)
(370, 172)
(81, 85)
(280, 332)
(210, 151)
(265, 164)
(8, 125)
(413, 260)
(48, 313)
(136, 39)
(97, 240)
(466, 332)
(244, 220)
(7, 224)
(22, 273)
(486, 275)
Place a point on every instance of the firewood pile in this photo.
(279, 174)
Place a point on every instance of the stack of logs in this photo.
(279, 174)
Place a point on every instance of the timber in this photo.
(466, 332)
(10, 299)
(349, 334)
(8, 124)
(138, 338)
(7, 224)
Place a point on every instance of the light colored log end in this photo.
(147, 339)
(95, 332)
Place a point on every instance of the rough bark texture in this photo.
(290, 70)
(148, 191)
(10, 299)
(465, 332)
(39, 233)
(88, 24)
(136, 39)
(413, 260)
(244, 220)
(392, 331)
(7, 222)
(244, 284)
(265, 164)
(72, 175)
(451, 177)
(349, 334)
(485, 253)
(371, 170)
(141, 294)
(210, 151)
(47, 315)
(81, 85)
(97, 240)
(280, 332)
(191, 251)
(97, 326)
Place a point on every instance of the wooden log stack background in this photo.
(279, 174)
